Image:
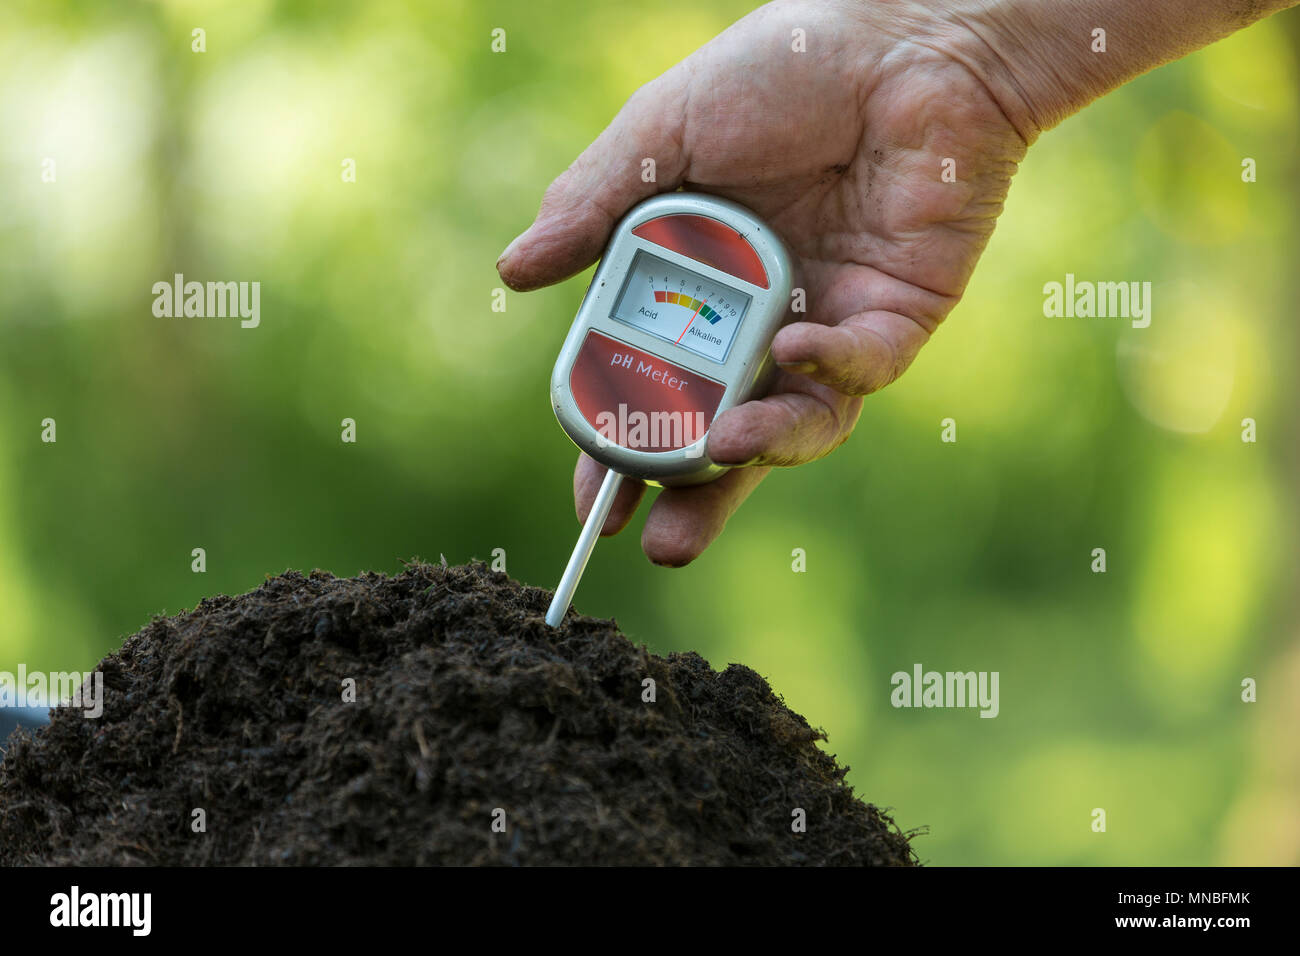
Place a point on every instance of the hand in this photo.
(842, 150)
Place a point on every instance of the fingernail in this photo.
(799, 368)
(505, 254)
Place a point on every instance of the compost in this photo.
(430, 717)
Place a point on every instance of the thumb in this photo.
(581, 207)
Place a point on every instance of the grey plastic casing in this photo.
(748, 367)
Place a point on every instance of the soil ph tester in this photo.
(675, 328)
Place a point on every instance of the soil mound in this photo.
(478, 735)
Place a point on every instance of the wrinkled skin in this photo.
(841, 149)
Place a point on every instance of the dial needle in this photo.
(582, 550)
(688, 324)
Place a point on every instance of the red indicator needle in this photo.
(688, 324)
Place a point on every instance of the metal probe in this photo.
(582, 550)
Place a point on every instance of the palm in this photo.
(843, 149)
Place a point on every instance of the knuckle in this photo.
(877, 364)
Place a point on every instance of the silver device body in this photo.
(744, 373)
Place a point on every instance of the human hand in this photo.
(842, 149)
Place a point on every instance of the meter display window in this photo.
(675, 304)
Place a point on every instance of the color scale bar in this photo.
(686, 302)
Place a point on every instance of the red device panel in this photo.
(709, 241)
(638, 400)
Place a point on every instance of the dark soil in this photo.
(466, 702)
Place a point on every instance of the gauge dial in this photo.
(680, 306)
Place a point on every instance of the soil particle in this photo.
(468, 711)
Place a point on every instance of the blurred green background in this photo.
(1118, 690)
